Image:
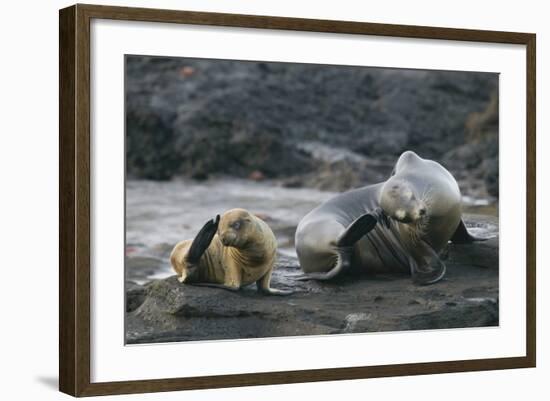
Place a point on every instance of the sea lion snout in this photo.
(235, 227)
(228, 238)
(400, 201)
(415, 212)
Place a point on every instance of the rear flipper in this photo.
(264, 286)
(427, 274)
(202, 241)
(275, 291)
(355, 231)
(462, 236)
(343, 263)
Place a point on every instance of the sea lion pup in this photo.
(397, 225)
(231, 252)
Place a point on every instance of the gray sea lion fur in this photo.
(397, 225)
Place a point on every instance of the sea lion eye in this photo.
(236, 225)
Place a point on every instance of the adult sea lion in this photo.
(397, 225)
(229, 252)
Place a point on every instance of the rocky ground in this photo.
(165, 310)
(204, 136)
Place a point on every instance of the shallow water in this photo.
(160, 214)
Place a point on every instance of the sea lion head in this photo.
(400, 201)
(237, 228)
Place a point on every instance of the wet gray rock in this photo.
(135, 295)
(466, 297)
(143, 266)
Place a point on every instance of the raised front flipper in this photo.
(462, 236)
(353, 233)
(202, 241)
(356, 230)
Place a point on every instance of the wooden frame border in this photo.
(74, 199)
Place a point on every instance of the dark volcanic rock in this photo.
(477, 158)
(135, 295)
(466, 297)
(199, 117)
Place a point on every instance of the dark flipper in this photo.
(202, 240)
(462, 236)
(356, 230)
(426, 274)
(382, 217)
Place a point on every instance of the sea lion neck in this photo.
(249, 255)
